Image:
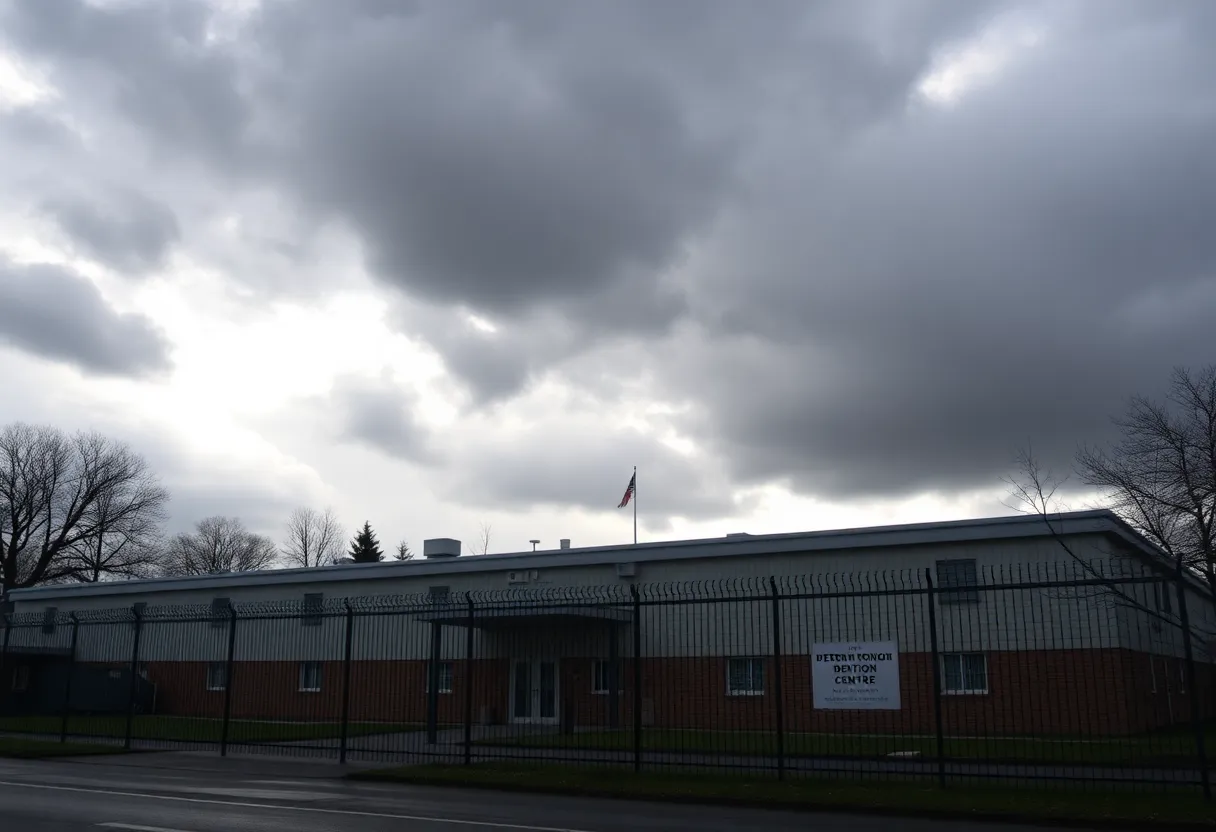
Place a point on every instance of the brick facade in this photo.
(1062, 692)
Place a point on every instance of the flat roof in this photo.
(1097, 521)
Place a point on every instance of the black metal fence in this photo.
(1080, 673)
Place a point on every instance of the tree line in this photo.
(86, 508)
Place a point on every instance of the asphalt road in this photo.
(162, 793)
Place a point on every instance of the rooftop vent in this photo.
(564, 543)
(441, 547)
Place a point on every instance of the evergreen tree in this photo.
(365, 548)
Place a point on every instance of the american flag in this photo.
(633, 481)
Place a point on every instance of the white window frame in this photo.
(304, 687)
(750, 691)
(599, 679)
(446, 675)
(964, 691)
(222, 667)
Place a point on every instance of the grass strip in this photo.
(23, 749)
(1178, 809)
(197, 729)
(1161, 749)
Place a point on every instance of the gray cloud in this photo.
(154, 62)
(752, 216)
(922, 301)
(564, 464)
(121, 228)
(50, 312)
(379, 414)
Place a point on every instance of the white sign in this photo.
(856, 676)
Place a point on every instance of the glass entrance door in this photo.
(534, 690)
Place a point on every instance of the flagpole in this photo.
(635, 505)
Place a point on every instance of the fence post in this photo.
(346, 662)
(1193, 693)
(137, 611)
(637, 677)
(228, 667)
(931, 597)
(776, 603)
(67, 684)
(6, 619)
(468, 685)
(432, 686)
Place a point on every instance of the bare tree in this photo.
(60, 495)
(1033, 490)
(1160, 476)
(482, 546)
(126, 544)
(314, 538)
(403, 551)
(219, 544)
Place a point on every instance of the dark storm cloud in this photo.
(925, 300)
(848, 290)
(475, 180)
(50, 312)
(123, 229)
(380, 414)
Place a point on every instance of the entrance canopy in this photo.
(508, 617)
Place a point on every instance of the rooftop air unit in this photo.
(440, 547)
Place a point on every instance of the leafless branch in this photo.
(1160, 476)
(217, 545)
(1033, 491)
(314, 538)
(79, 507)
(482, 546)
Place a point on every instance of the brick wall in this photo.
(1085, 692)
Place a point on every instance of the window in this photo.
(21, 678)
(602, 674)
(49, 617)
(445, 677)
(220, 611)
(745, 677)
(964, 673)
(310, 677)
(1164, 600)
(953, 577)
(217, 676)
(314, 606)
(439, 594)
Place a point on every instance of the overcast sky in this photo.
(434, 264)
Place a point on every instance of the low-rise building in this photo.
(1018, 625)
